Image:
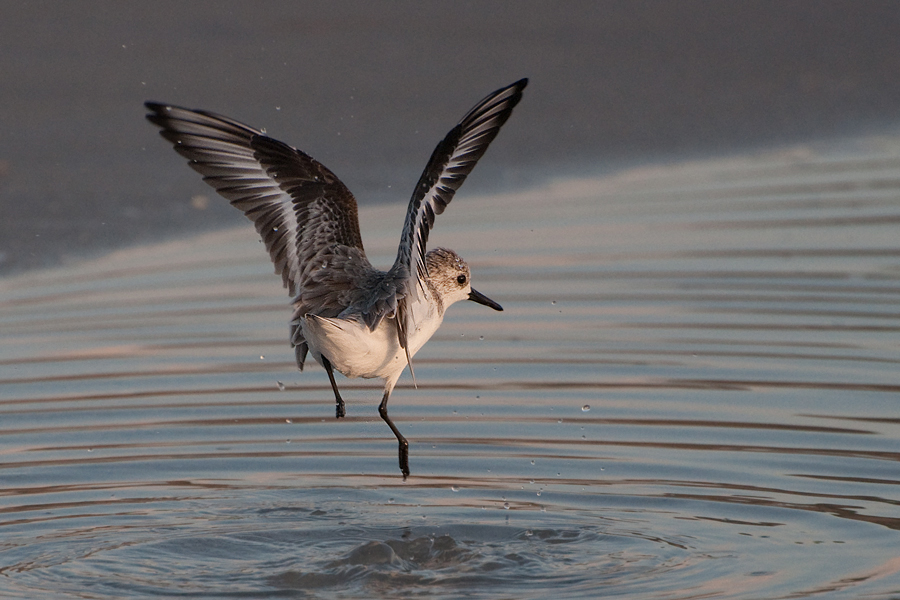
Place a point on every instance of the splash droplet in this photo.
(586, 408)
(454, 488)
(280, 385)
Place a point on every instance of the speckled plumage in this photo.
(347, 314)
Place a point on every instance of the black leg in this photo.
(338, 401)
(404, 445)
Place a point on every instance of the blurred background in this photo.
(369, 88)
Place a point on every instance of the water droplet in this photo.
(539, 492)
(531, 481)
(481, 337)
(506, 505)
(553, 302)
(454, 488)
(528, 533)
(261, 357)
(90, 449)
(586, 408)
(543, 509)
(454, 412)
(288, 421)
(199, 202)
(559, 421)
(280, 385)
(532, 462)
(390, 500)
(287, 441)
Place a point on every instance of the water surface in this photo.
(693, 393)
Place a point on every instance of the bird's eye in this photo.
(461, 280)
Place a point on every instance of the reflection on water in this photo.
(692, 394)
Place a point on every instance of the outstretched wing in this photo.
(447, 169)
(450, 164)
(301, 210)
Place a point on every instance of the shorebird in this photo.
(350, 316)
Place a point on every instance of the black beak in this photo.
(482, 299)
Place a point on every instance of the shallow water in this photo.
(693, 393)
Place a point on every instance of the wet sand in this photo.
(368, 89)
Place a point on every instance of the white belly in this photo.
(355, 351)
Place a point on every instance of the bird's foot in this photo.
(404, 458)
(340, 411)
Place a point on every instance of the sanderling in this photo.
(349, 315)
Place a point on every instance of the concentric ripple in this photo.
(693, 393)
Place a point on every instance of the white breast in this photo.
(355, 351)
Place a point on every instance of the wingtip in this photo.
(157, 113)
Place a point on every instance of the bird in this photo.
(350, 316)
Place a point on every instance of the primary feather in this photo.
(308, 219)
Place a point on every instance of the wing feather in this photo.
(450, 163)
(300, 209)
(308, 219)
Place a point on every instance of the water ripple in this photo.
(691, 394)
